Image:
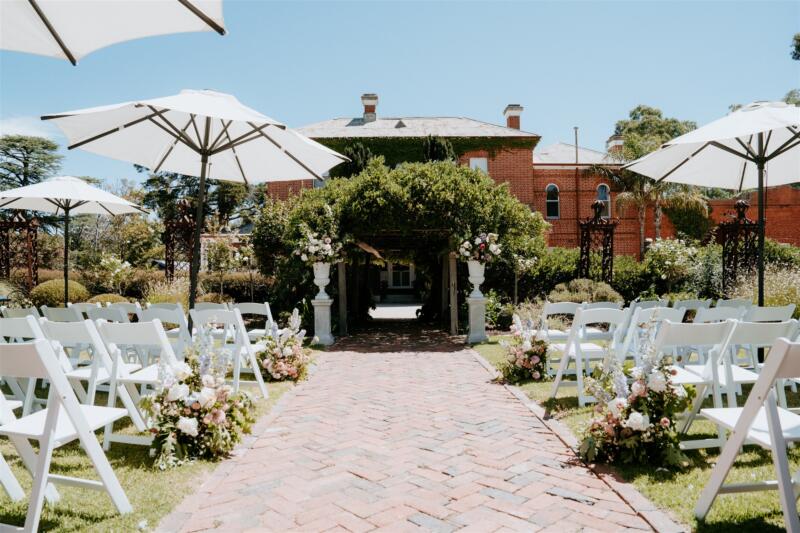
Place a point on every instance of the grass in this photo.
(152, 493)
(677, 491)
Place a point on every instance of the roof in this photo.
(564, 154)
(409, 127)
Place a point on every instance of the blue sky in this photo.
(569, 64)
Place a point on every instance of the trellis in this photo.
(10, 254)
(177, 239)
(739, 240)
(597, 233)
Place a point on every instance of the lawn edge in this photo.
(658, 519)
(181, 513)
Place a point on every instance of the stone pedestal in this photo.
(322, 320)
(477, 320)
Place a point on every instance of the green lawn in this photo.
(152, 493)
(677, 491)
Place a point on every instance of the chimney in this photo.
(512, 113)
(614, 143)
(370, 102)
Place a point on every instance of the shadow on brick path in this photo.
(398, 336)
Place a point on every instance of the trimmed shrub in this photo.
(107, 298)
(51, 293)
(237, 286)
(584, 290)
(631, 278)
(781, 287)
(554, 266)
(213, 297)
(164, 291)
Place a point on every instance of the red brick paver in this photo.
(404, 442)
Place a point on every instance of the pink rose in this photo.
(665, 422)
(536, 375)
(535, 359)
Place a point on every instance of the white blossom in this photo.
(637, 421)
(177, 392)
(188, 426)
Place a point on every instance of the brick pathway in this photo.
(402, 441)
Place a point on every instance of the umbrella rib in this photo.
(221, 133)
(238, 163)
(256, 131)
(169, 151)
(679, 165)
(744, 165)
(270, 139)
(53, 31)
(196, 131)
(109, 132)
(721, 146)
(784, 150)
(10, 202)
(202, 16)
(175, 131)
(785, 146)
(747, 146)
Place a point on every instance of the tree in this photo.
(26, 160)
(437, 149)
(796, 47)
(359, 155)
(228, 198)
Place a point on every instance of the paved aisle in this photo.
(398, 442)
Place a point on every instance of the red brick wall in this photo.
(284, 189)
(782, 212)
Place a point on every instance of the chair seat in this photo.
(740, 375)
(32, 426)
(146, 376)
(13, 404)
(759, 432)
(84, 373)
(589, 349)
(552, 334)
(684, 377)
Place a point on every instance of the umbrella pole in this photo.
(194, 272)
(66, 256)
(761, 218)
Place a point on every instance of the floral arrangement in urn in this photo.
(283, 355)
(316, 248)
(483, 248)
(195, 414)
(526, 356)
(635, 419)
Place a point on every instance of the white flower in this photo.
(477, 240)
(209, 381)
(616, 406)
(526, 345)
(188, 426)
(287, 351)
(181, 371)
(177, 392)
(207, 397)
(638, 388)
(637, 421)
(657, 381)
(494, 249)
(304, 257)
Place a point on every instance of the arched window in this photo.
(552, 201)
(604, 195)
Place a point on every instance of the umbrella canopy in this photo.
(755, 146)
(198, 133)
(67, 196)
(71, 29)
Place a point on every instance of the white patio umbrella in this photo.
(198, 133)
(68, 196)
(754, 147)
(71, 29)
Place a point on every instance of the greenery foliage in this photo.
(107, 298)
(437, 149)
(51, 293)
(584, 290)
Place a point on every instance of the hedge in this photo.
(51, 293)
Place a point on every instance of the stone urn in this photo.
(322, 276)
(476, 277)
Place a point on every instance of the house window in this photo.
(401, 276)
(479, 163)
(604, 195)
(552, 201)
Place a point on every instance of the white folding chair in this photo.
(748, 337)
(692, 304)
(582, 352)
(179, 335)
(713, 337)
(745, 303)
(640, 319)
(64, 421)
(232, 326)
(763, 423)
(718, 314)
(83, 307)
(61, 314)
(11, 312)
(147, 335)
(648, 304)
(546, 333)
(769, 314)
(205, 306)
(258, 310)
(129, 308)
(16, 330)
(111, 314)
(602, 305)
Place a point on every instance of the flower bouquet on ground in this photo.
(316, 248)
(526, 357)
(195, 414)
(282, 355)
(635, 420)
(482, 248)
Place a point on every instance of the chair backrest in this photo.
(173, 314)
(761, 334)
(692, 305)
(769, 314)
(219, 317)
(148, 334)
(602, 305)
(253, 308)
(648, 304)
(112, 314)
(718, 314)
(35, 359)
(735, 302)
(600, 315)
(170, 306)
(20, 329)
(783, 363)
(129, 308)
(675, 334)
(640, 318)
(204, 306)
(659, 314)
(61, 314)
(83, 307)
(77, 333)
(21, 312)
